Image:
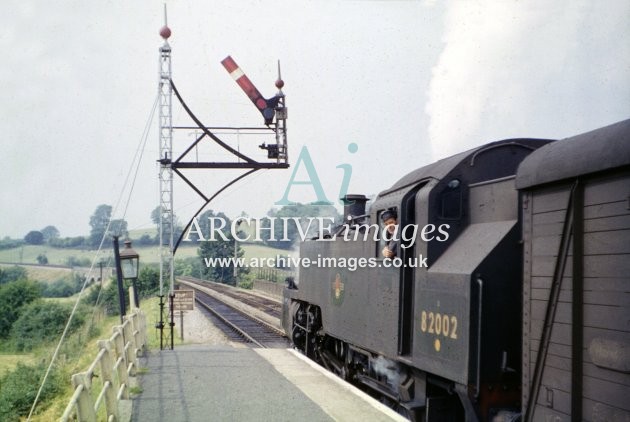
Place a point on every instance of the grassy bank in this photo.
(28, 254)
(8, 362)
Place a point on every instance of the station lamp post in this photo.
(130, 263)
(127, 263)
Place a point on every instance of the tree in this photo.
(203, 221)
(155, 217)
(42, 321)
(304, 214)
(68, 242)
(58, 288)
(42, 259)
(119, 228)
(19, 388)
(148, 282)
(145, 240)
(99, 221)
(73, 261)
(191, 266)
(13, 296)
(219, 248)
(34, 237)
(8, 243)
(10, 274)
(50, 233)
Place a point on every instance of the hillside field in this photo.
(28, 254)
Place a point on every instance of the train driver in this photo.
(390, 221)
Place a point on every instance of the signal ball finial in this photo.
(165, 32)
(279, 82)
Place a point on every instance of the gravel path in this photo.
(199, 329)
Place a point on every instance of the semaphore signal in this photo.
(274, 112)
(265, 106)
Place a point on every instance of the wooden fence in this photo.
(116, 361)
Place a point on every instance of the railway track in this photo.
(238, 325)
(270, 307)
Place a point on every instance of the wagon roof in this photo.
(594, 151)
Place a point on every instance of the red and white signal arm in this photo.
(266, 107)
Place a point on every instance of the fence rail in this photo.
(275, 275)
(115, 362)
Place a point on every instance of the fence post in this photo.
(144, 335)
(132, 299)
(85, 405)
(136, 329)
(130, 345)
(107, 366)
(119, 343)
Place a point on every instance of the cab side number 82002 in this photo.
(439, 324)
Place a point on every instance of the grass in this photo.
(135, 390)
(28, 254)
(78, 357)
(143, 370)
(77, 352)
(9, 362)
(138, 233)
(258, 250)
(151, 309)
(49, 275)
(45, 274)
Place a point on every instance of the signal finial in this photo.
(165, 32)
(279, 82)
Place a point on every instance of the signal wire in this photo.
(138, 153)
(137, 156)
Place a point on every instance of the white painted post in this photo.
(107, 365)
(135, 329)
(123, 377)
(130, 346)
(132, 300)
(85, 405)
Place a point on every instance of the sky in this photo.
(409, 82)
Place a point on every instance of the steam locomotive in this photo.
(523, 310)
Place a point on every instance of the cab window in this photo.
(450, 201)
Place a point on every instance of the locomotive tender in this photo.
(523, 310)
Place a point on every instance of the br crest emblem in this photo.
(338, 290)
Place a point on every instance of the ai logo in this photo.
(313, 179)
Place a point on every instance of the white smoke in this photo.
(388, 369)
(514, 69)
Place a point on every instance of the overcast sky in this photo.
(408, 82)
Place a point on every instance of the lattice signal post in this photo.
(274, 112)
(166, 234)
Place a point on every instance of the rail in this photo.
(116, 361)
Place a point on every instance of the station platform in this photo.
(226, 383)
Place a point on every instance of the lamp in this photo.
(129, 263)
